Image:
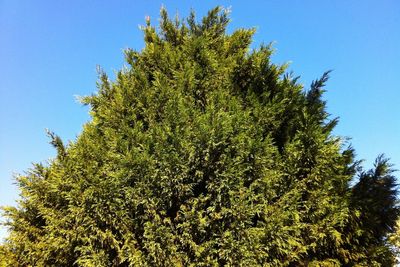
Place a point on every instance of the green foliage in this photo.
(6, 257)
(375, 196)
(203, 153)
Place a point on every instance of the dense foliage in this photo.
(204, 153)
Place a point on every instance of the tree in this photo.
(203, 153)
(375, 197)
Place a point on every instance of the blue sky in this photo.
(49, 51)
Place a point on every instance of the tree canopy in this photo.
(202, 152)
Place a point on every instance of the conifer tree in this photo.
(202, 152)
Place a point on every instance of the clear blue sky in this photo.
(49, 51)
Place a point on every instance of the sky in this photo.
(49, 51)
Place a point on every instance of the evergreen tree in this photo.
(203, 153)
(375, 197)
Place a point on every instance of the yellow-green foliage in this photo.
(6, 257)
(201, 153)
